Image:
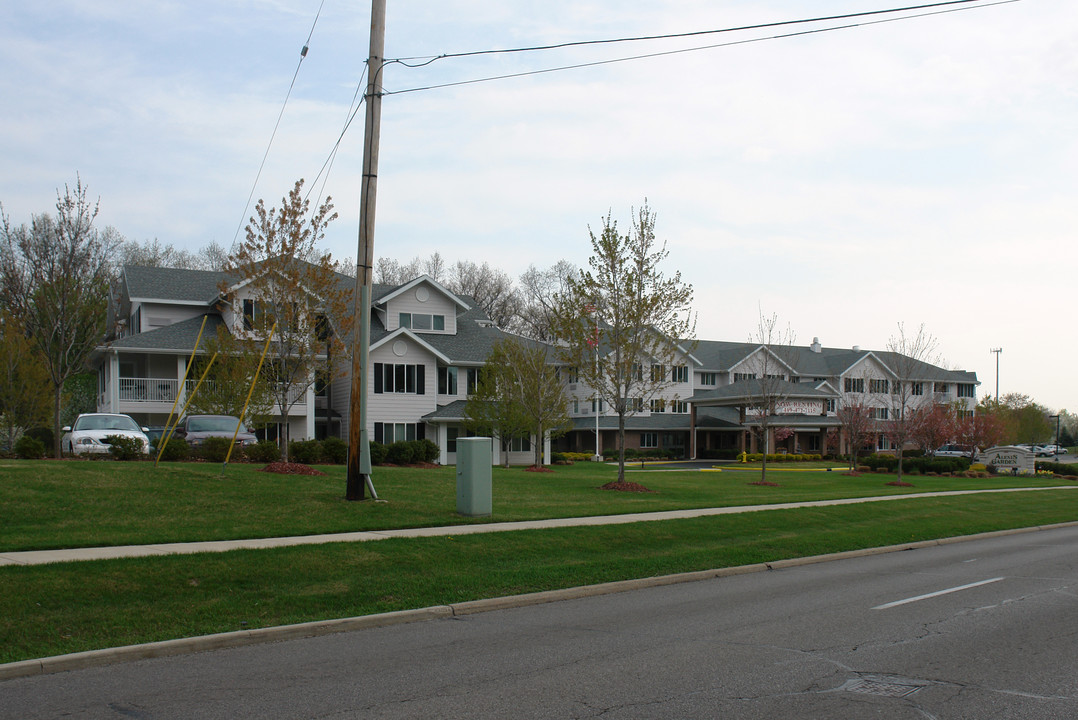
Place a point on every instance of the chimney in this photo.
(816, 347)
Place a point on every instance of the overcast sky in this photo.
(918, 171)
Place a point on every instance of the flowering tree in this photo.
(933, 425)
(294, 295)
(980, 431)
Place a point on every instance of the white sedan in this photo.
(90, 432)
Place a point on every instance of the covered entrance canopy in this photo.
(802, 408)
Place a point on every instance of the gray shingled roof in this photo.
(748, 390)
(172, 284)
(721, 356)
(179, 336)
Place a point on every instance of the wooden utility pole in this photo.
(359, 452)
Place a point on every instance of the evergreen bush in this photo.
(307, 452)
(123, 447)
(334, 450)
(378, 453)
(176, 450)
(42, 434)
(215, 449)
(264, 451)
(29, 447)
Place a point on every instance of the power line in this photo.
(269, 145)
(327, 166)
(692, 49)
(670, 36)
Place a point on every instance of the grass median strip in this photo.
(55, 609)
(67, 504)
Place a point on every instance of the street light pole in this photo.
(997, 351)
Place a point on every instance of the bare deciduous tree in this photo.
(54, 279)
(772, 365)
(490, 288)
(908, 356)
(858, 425)
(538, 290)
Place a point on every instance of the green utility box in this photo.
(475, 456)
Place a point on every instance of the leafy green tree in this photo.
(642, 319)
(80, 396)
(228, 380)
(295, 295)
(24, 382)
(521, 394)
(54, 279)
(1023, 420)
(491, 410)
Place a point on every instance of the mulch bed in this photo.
(768, 483)
(896, 483)
(534, 468)
(291, 468)
(625, 487)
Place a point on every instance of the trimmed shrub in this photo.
(334, 450)
(176, 450)
(427, 451)
(720, 454)
(402, 453)
(42, 434)
(215, 449)
(122, 447)
(378, 453)
(263, 451)
(307, 452)
(29, 448)
(1058, 468)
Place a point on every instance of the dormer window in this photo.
(422, 321)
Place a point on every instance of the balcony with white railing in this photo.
(163, 390)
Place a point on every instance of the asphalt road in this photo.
(983, 629)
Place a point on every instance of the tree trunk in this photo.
(58, 391)
(764, 439)
(621, 446)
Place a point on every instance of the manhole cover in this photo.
(881, 687)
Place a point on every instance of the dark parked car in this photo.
(196, 428)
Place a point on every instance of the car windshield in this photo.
(106, 422)
(223, 423)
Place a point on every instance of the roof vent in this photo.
(485, 323)
(857, 348)
(816, 346)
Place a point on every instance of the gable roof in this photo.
(171, 285)
(390, 293)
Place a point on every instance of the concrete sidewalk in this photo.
(40, 557)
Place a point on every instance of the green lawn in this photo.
(68, 607)
(57, 504)
(54, 609)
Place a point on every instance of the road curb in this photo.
(241, 638)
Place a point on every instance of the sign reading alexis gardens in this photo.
(1010, 459)
(792, 407)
